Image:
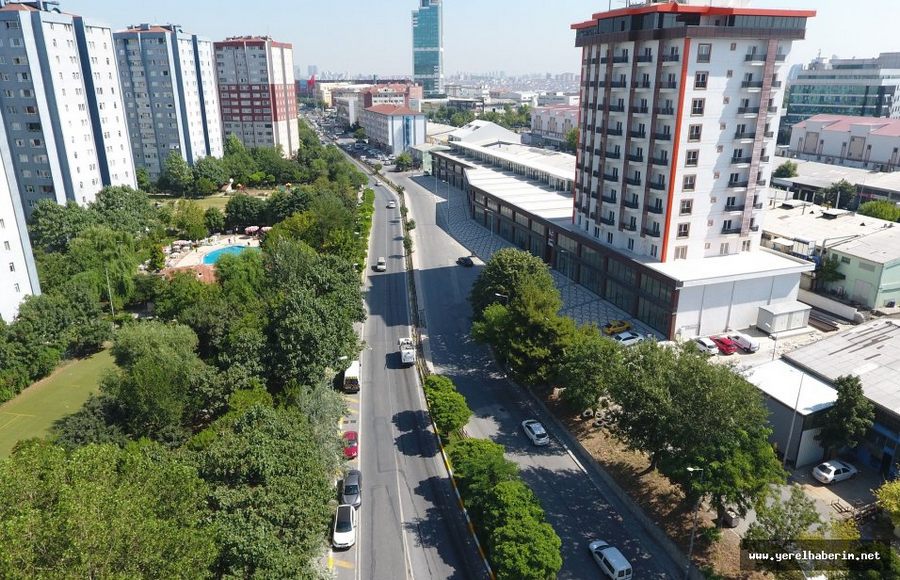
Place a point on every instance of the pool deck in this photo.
(194, 257)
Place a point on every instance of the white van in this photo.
(351, 378)
(744, 342)
(612, 563)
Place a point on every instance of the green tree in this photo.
(245, 210)
(449, 409)
(190, 221)
(144, 183)
(212, 169)
(205, 187)
(503, 276)
(176, 176)
(102, 512)
(881, 209)
(525, 549)
(404, 162)
(377, 168)
(52, 226)
(462, 118)
(786, 169)
(125, 209)
(107, 260)
(359, 133)
(588, 368)
(157, 259)
(284, 203)
(237, 162)
(572, 139)
(785, 521)
(828, 270)
(214, 220)
(840, 194)
(888, 496)
(846, 422)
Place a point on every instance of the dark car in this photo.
(351, 488)
(467, 261)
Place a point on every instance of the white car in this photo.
(628, 338)
(392, 204)
(536, 432)
(381, 264)
(344, 535)
(706, 345)
(834, 471)
(611, 561)
(745, 343)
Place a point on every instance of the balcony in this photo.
(734, 208)
(762, 182)
(644, 58)
(670, 57)
(668, 84)
(744, 134)
(780, 57)
(617, 84)
(754, 228)
(665, 111)
(657, 209)
(758, 205)
(737, 184)
(751, 84)
(729, 230)
(596, 152)
(776, 84)
(662, 136)
(637, 157)
(629, 227)
(613, 155)
(614, 132)
(633, 181)
(748, 110)
(653, 233)
(764, 159)
(631, 203)
(641, 84)
(740, 160)
(608, 198)
(595, 173)
(769, 134)
(755, 58)
(657, 186)
(773, 109)
(610, 177)
(617, 108)
(640, 110)
(610, 221)
(637, 134)
(664, 161)
(622, 59)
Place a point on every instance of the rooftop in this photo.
(716, 269)
(844, 123)
(784, 383)
(392, 110)
(821, 175)
(517, 190)
(870, 351)
(555, 163)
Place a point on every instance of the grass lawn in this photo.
(33, 411)
(218, 200)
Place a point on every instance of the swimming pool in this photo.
(213, 257)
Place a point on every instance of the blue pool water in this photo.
(213, 257)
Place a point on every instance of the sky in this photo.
(515, 36)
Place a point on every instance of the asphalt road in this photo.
(577, 508)
(410, 524)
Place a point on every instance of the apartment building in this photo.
(864, 142)
(171, 98)
(63, 113)
(393, 128)
(257, 92)
(408, 95)
(550, 125)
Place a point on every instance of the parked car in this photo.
(616, 326)
(350, 439)
(381, 264)
(466, 261)
(706, 345)
(834, 471)
(726, 345)
(536, 432)
(745, 342)
(344, 533)
(351, 488)
(628, 338)
(391, 204)
(611, 561)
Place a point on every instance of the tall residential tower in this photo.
(171, 98)
(428, 47)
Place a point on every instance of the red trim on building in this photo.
(676, 140)
(692, 9)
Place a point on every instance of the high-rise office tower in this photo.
(678, 121)
(62, 109)
(257, 92)
(171, 97)
(428, 47)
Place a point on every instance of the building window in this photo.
(12, 267)
(723, 249)
(653, 250)
(697, 106)
(704, 52)
(680, 252)
(694, 132)
(700, 79)
(16, 287)
(691, 158)
(745, 246)
(845, 260)
(689, 182)
(686, 207)
(609, 238)
(684, 230)
(631, 244)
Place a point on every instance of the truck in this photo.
(407, 351)
(351, 378)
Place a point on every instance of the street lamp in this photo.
(687, 569)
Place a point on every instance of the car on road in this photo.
(381, 264)
(745, 342)
(706, 346)
(611, 561)
(466, 261)
(628, 338)
(536, 432)
(344, 532)
(616, 326)
(833, 471)
(391, 204)
(350, 440)
(351, 488)
(725, 345)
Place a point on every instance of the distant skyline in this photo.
(362, 36)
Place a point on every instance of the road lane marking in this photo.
(343, 564)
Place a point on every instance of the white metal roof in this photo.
(746, 265)
(784, 383)
(523, 193)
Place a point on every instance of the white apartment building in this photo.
(864, 142)
(549, 125)
(257, 92)
(557, 99)
(171, 98)
(63, 113)
(394, 129)
(18, 275)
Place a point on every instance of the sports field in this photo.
(33, 411)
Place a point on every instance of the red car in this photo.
(725, 344)
(351, 444)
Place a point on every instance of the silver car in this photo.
(536, 432)
(351, 488)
